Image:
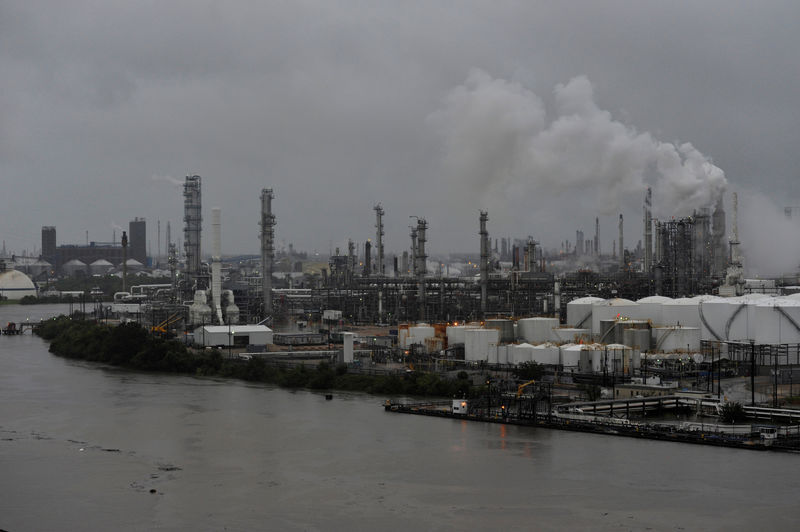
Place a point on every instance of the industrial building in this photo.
(86, 254)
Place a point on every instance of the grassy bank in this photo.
(131, 346)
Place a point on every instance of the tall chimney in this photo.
(379, 238)
(597, 236)
(648, 230)
(621, 246)
(267, 248)
(484, 217)
(216, 265)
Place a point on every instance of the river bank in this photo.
(132, 347)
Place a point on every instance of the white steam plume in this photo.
(499, 143)
(167, 178)
(769, 240)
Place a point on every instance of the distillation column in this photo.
(379, 238)
(422, 258)
(484, 217)
(193, 220)
(267, 248)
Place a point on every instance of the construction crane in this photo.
(522, 387)
(161, 328)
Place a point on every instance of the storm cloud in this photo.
(435, 109)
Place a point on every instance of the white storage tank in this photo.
(537, 330)
(776, 321)
(546, 354)
(503, 353)
(481, 345)
(570, 355)
(570, 335)
(579, 312)
(620, 359)
(521, 353)
(613, 309)
(455, 333)
(506, 328)
(637, 338)
(674, 338)
(651, 308)
(680, 311)
(415, 334)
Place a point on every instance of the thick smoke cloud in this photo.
(499, 144)
(769, 240)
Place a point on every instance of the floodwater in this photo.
(82, 446)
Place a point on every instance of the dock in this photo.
(784, 438)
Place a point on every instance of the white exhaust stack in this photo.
(216, 266)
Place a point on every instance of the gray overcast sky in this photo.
(545, 113)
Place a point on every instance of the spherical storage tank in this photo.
(777, 321)
(537, 330)
(16, 285)
(579, 312)
(613, 309)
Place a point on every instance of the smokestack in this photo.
(597, 236)
(621, 247)
(124, 261)
(379, 238)
(267, 248)
(648, 230)
(484, 217)
(216, 265)
(735, 258)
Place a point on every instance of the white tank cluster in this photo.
(630, 329)
(415, 334)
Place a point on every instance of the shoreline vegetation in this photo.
(131, 346)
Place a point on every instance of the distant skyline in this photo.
(545, 114)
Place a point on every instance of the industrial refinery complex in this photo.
(673, 312)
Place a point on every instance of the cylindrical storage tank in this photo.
(672, 339)
(680, 311)
(613, 309)
(579, 312)
(715, 313)
(455, 333)
(569, 335)
(546, 354)
(100, 267)
(521, 353)
(73, 267)
(481, 345)
(620, 359)
(537, 330)
(570, 355)
(777, 320)
(651, 308)
(417, 334)
(636, 338)
(506, 328)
